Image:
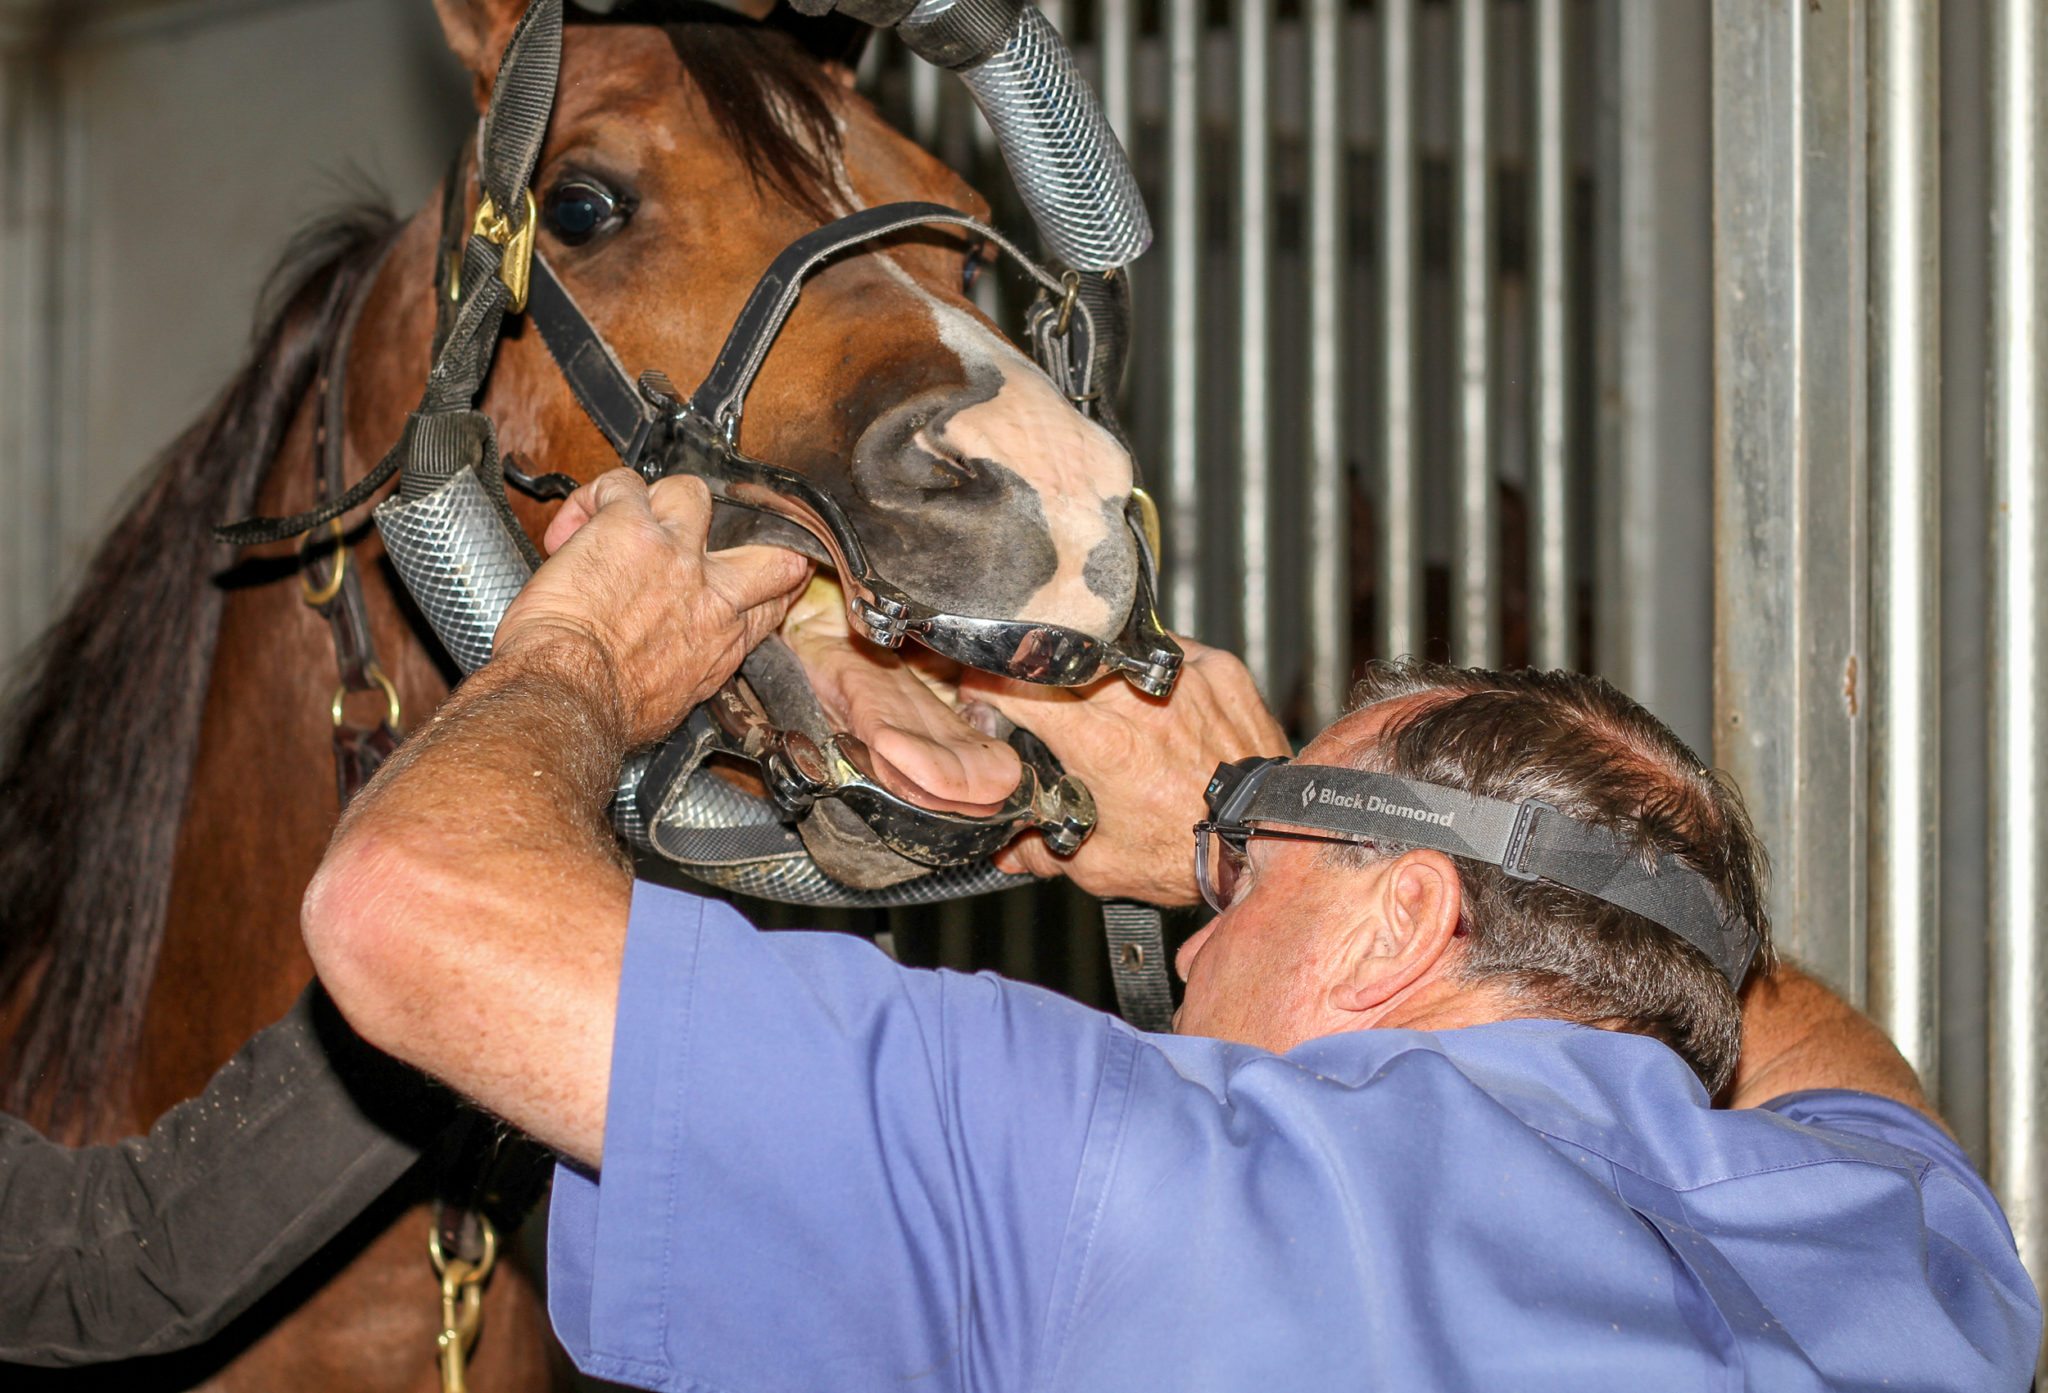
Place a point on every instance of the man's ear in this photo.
(477, 32)
(1407, 932)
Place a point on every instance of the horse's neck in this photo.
(263, 800)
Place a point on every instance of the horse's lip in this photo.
(903, 710)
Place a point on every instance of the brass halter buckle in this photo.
(515, 267)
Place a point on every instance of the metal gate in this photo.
(1642, 336)
(1364, 392)
(1881, 299)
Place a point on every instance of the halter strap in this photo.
(627, 412)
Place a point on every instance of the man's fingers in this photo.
(759, 621)
(1045, 710)
(682, 502)
(754, 575)
(614, 487)
(1028, 855)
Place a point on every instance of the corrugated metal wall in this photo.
(1881, 310)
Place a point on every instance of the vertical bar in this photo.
(1119, 22)
(1400, 540)
(1475, 619)
(1254, 271)
(2019, 621)
(1550, 590)
(1653, 493)
(1183, 235)
(1791, 514)
(1329, 561)
(1905, 525)
(926, 98)
(36, 192)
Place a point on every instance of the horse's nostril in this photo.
(950, 471)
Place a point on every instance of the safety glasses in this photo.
(1222, 856)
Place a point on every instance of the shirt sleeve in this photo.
(155, 1243)
(824, 1170)
(1971, 1263)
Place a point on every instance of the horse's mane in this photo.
(764, 84)
(101, 724)
(98, 740)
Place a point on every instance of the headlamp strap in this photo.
(1529, 840)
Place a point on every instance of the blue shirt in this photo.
(823, 1171)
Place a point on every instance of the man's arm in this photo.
(471, 913)
(155, 1243)
(1797, 1035)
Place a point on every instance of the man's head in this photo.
(1325, 939)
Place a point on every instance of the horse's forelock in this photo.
(765, 87)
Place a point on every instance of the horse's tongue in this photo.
(924, 750)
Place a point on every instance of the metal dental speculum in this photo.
(798, 771)
(880, 611)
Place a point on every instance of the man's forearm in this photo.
(156, 1243)
(1796, 1034)
(474, 896)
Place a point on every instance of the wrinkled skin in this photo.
(948, 445)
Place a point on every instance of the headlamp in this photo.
(1527, 840)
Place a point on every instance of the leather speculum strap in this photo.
(1527, 840)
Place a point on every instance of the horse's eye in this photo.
(578, 209)
(971, 272)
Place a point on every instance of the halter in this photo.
(451, 537)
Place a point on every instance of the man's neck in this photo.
(1443, 1003)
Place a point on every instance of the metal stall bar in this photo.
(1653, 603)
(1400, 522)
(1905, 526)
(1550, 589)
(926, 101)
(1183, 234)
(2017, 40)
(1254, 354)
(1118, 21)
(1329, 522)
(1790, 515)
(1475, 604)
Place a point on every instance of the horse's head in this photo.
(681, 158)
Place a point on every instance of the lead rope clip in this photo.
(462, 1303)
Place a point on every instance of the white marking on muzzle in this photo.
(1082, 476)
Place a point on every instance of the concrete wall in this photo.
(154, 160)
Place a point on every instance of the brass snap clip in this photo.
(383, 684)
(462, 1303)
(1070, 291)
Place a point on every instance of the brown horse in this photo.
(167, 767)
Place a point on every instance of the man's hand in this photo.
(1146, 760)
(634, 596)
(482, 853)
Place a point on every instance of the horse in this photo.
(167, 776)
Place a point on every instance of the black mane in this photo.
(98, 738)
(764, 84)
